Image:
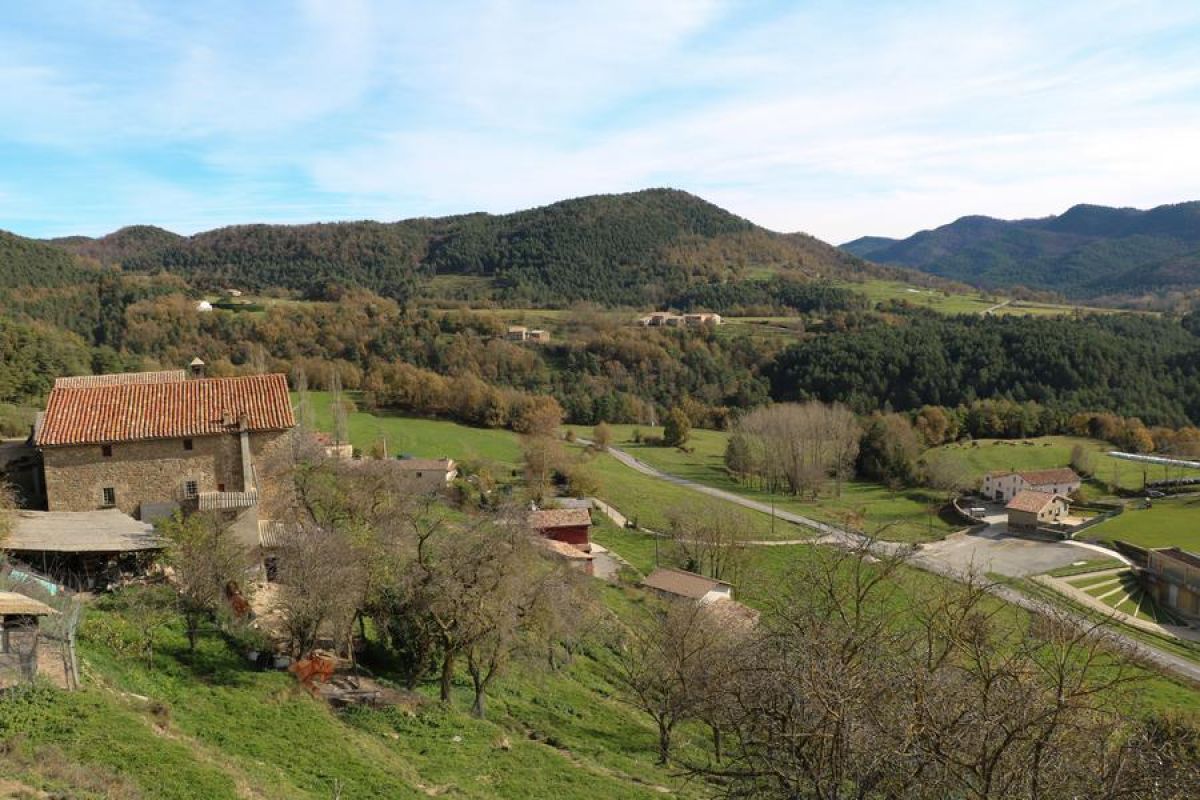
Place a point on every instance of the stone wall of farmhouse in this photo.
(157, 471)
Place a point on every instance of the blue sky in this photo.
(835, 118)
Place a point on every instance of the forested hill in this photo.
(28, 263)
(638, 248)
(1088, 251)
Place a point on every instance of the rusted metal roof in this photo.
(1049, 477)
(175, 409)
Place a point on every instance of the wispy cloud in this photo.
(816, 116)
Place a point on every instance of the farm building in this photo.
(681, 583)
(517, 333)
(1030, 510)
(568, 525)
(1172, 576)
(80, 549)
(425, 475)
(145, 443)
(1004, 486)
(19, 634)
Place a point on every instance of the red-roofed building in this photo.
(148, 442)
(570, 525)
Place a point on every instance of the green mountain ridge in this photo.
(1088, 251)
(645, 246)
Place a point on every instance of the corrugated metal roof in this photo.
(132, 412)
(271, 533)
(226, 501)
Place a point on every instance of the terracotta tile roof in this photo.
(559, 518)
(681, 582)
(564, 550)
(175, 409)
(1049, 477)
(120, 379)
(1031, 501)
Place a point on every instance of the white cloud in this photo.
(824, 118)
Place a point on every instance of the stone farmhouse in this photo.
(1004, 486)
(147, 444)
(424, 475)
(1030, 510)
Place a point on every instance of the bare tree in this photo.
(667, 662)
(710, 537)
(799, 447)
(320, 587)
(204, 557)
(856, 686)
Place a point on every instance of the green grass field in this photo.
(901, 516)
(426, 438)
(1043, 452)
(1172, 522)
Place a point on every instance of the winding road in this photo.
(947, 559)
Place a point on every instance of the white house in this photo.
(1004, 486)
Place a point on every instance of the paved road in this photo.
(954, 558)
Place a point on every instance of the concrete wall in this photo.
(156, 471)
(423, 481)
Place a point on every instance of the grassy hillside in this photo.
(1044, 452)
(1087, 251)
(1172, 522)
(210, 727)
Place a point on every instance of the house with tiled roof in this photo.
(1003, 486)
(1030, 510)
(571, 526)
(148, 443)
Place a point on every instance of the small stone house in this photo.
(539, 336)
(568, 525)
(425, 475)
(517, 333)
(149, 443)
(1030, 510)
(1172, 576)
(1004, 486)
(679, 583)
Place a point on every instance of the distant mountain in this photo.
(1088, 251)
(27, 262)
(638, 248)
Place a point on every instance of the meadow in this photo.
(1170, 522)
(902, 515)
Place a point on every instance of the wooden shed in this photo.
(19, 633)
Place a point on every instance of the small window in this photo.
(418, 474)
(106, 450)
(187, 444)
(109, 496)
(191, 490)
(220, 487)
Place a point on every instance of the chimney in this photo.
(196, 368)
